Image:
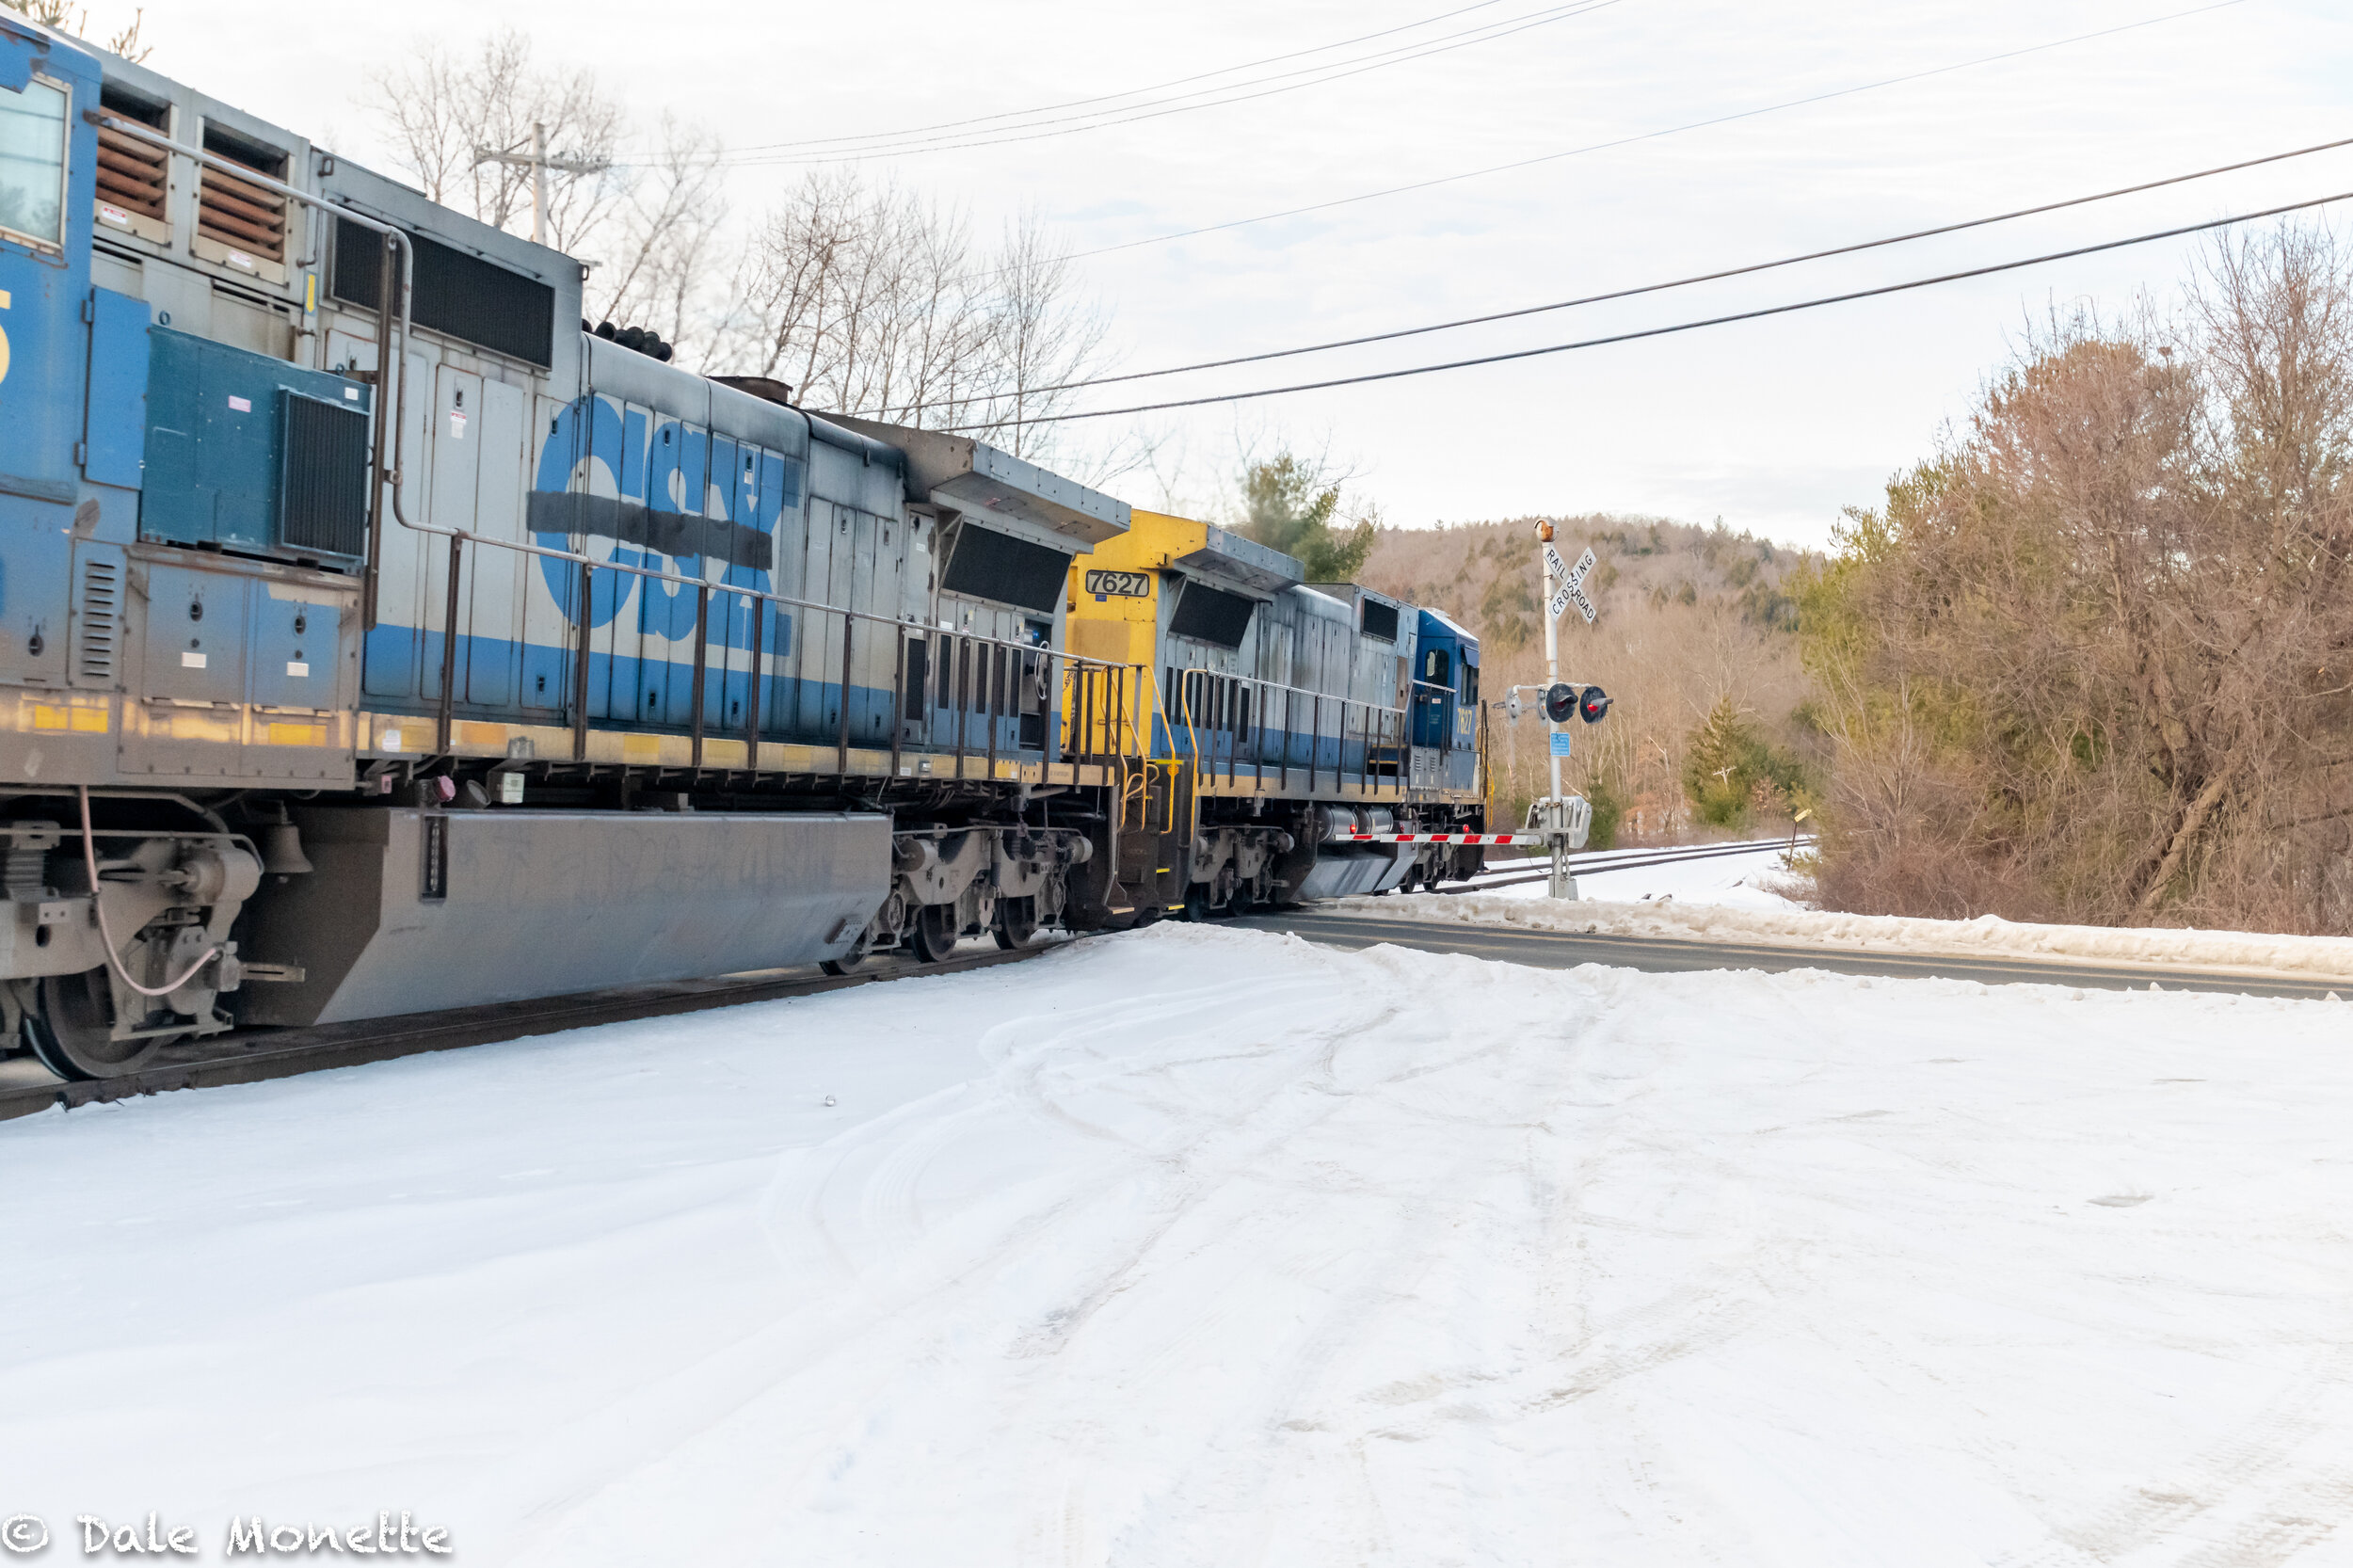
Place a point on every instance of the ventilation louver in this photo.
(247, 221)
(130, 175)
(99, 631)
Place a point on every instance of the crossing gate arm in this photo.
(1443, 838)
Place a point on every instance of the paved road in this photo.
(1551, 950)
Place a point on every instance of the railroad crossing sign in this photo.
(1572, 581)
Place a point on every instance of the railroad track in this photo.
(1617, 861)
(250, 1056)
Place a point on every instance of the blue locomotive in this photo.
(375, 637)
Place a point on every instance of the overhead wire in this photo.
(1717, 276)
(1131, 92)
(1675, 328)
(1647, 136)
(1338, 71)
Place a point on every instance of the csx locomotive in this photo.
(376, 638)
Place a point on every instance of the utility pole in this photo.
(538, 162)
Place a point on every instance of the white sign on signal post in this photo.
(1584, 605)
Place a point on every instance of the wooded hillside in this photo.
(1695, 622)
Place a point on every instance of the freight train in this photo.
(377, 637)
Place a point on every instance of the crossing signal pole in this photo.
(1562, 818)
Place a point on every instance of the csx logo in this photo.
(1120, 585)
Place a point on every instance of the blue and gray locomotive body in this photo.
(375, 637)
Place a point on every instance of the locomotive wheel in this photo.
(1242, 902)
(935, 932)
(1016, 922)
(848, 961)
(1196, 902)
(71, 1033)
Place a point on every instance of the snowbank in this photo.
(1200, 1246)
(1782, 923)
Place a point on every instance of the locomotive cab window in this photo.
(1437, 669)
(32, 164)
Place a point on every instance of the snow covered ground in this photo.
(1206, 1246)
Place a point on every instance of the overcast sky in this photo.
(1772, 425)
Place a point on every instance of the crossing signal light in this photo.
(1594, 705)
(1560, 702)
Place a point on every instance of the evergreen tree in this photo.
(1285, 506)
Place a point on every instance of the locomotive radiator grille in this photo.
(98, 635)
(323, 496)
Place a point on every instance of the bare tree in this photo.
(66, 17)
(443, 111)
(875, 301)
(1044, 338)
(661, 267)
(2091, 663)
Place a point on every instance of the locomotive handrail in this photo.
(1382, 729)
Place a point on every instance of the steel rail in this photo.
(1711, 852)
(252, 1056)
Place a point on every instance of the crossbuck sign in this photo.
(1572, 581)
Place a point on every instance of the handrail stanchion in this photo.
(841, 761)
(898, 701)
(448, 702)
(759, 611)
(702, 666)
(580, 664)
(994, 654)
(1233, 727)
(1286, 739)
(1315, 746)
(964, 698)
(1258, 752)
(449, 642)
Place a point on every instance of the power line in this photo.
(1131, 92)
(1678, 327)
(1646, 135)
(1338, 71)
(1685, 282)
